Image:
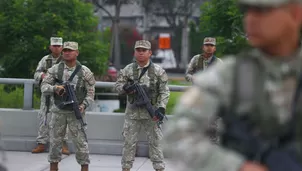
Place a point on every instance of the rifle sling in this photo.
(294, 111)
(78, 68)
(144, 71)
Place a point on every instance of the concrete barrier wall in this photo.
(19, 131)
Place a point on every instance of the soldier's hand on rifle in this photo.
(60, 90)
(128, 88)
(159, 114)
(43, 75)
(82, 108)
(251, 166)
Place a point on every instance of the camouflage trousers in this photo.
(43, 132)
(58, 125)
(214, 131)
(3, 159)
(131, 131)
(44, 120)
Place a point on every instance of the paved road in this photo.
(26, 161)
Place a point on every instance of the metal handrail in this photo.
(29, 88)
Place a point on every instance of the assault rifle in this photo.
(47, 104)
(277, 154)
(47, 97)
(73, 101)
(142, 100)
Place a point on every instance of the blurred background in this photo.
(106, 31)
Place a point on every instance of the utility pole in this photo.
(185, 44)
(117, 49)
(101, 26)
(145, 23)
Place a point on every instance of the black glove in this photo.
(128, 88)
(160, 113)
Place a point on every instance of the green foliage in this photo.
(174, 96)
(114, 2)
(106, 35)
(119, 110)
(222, 20)
(195, 39)
(27, 25)
(12, 97)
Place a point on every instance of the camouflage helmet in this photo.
(145, 44)
(70, 45)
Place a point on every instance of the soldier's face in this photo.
(266, 27)
(56, 49)
(208, 48)
(70, 55)
(142, 54)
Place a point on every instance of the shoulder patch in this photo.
(163, 76)
(160, 73)
(88, 75)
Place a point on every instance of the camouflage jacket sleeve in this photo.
(191, 68)
(185, 135)
(47, 85)
(40, 69)
(121, 80)
(89, 85)
(163, 89)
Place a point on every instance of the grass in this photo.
(174, 96)
(12, 97)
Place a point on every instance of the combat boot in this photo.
(40, 148)
(54, 167)
(126, 169)
(84, 167)
(65, 149)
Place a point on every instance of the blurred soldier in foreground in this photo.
(253, 92)
(73, 87)
(2, 153)
(202, 61)
(148, 74)
(44, 114)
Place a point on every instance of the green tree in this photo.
(223, 20)
(27, 25)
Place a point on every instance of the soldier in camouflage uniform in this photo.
(202, 61)
(3, 158)
(84, 84)
(273, 29)
(156, 79)
(44, 114)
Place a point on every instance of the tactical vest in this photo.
(153, 88)
(49, 63)
(200, 60)
(80, 89)
(251, 102)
